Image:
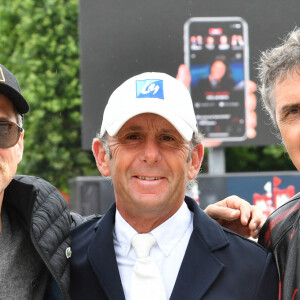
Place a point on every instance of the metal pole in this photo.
(216, 160)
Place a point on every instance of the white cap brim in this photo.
(174, 104)
(182, 127)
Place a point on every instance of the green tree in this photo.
(39, 43)
(256, 159)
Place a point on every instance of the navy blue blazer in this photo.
(218, 264)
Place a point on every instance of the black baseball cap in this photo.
(10, 88)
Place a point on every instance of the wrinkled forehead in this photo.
(149, 121)
(280, 76)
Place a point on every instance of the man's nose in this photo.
(151, 151)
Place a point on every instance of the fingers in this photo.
(257, 221)
(238, 215)
(251, 123)
(236, 203)
(184, 75)
(250, 215)
(252, 86)
(251, 102)
(216, 211)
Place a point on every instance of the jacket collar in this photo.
(199, 263)
(20, 195)
(102, 256)
(207, 229)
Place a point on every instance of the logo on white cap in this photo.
(150, 88)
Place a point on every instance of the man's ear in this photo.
(101, 157)
(195, 162)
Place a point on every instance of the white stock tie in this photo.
(146, 281)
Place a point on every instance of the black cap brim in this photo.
(15, 97)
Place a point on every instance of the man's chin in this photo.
(5, 176)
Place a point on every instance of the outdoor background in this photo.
(40, 44)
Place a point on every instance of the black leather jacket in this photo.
(281, 235)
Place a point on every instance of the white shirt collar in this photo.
(168, 234)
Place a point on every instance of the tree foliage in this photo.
(257, 159)
(39, 40)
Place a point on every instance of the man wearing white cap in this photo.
(154, 242)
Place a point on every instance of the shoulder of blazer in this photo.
(78, 219)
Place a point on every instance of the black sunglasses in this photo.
(9, 134)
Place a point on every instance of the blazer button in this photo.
(33, 283)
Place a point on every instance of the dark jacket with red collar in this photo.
(281, 235)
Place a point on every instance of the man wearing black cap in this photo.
(34, 219)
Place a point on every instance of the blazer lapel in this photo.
(102, 257)
(199, 268)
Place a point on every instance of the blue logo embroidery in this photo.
(150, 88)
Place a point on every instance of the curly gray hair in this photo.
(275, 66)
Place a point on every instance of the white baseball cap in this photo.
(156, 93)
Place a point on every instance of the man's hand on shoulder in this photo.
(237, 215)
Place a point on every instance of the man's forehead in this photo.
(146, 120)
(5, 99)
(7, 109)
(287, 90)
